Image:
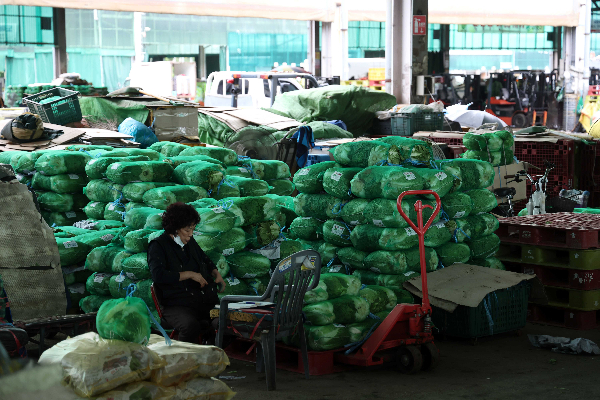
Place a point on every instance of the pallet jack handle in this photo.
(421, 230)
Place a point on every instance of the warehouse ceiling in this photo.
(491, 12)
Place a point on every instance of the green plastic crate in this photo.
(504, 310)
(403, 124)
(61, 111)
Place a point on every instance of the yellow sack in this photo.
(587, 114)
(186, 361)
(595, 129)
(92, 365)
(203, 389)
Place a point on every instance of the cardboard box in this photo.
(173, 122)
(504, 173)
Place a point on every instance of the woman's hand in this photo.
(199, 278)
(219, 279)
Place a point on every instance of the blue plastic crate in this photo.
(317, 158)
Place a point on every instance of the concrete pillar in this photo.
(445, 46)
(389, 49)
(60, 41)
(326, 50)
(334, 53)
(402, 55)
(138, 33)
(419, 51)
(201, 63)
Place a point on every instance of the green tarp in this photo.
(102, 109)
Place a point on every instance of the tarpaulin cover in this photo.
(96, 108)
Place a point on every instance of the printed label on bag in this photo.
(70, 244)
(440, 225)
(233, 282)
(379, 223)
(303, 171)
(115, 166)
(375, 269)
(120, 278)
(19, 177)
(98, 278)
(218, 210)
(459, 214)
(337, 230)
(306, 217)
(73, 176)
(335, 268)
(107, 238)
(409, 176)
(336, 176)
(248, 276)
(244, 170)
(354, 222)
(409, 273)
(70, 214)
(94, 204)
(339, 325)
(92, 161)
(228, 252)
(130, 275)
(441, 175)
(410, 231)
(111, 207)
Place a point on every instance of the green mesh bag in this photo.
(385, 182)
(350, 309)
(199, 173)
(459, 229)
(286, 249)
(482, 142)
(359, 330)
(168, 149)
(371, 238)
(151, 154)
(63, 218)
(282, 201)
(366, 277)
(137, 217)
(220, 261)
(353, 212)
(91, 304)
(124, 319)
(490, 262)
(24, 179)
(311, 244)
(340, 284)
(76, 293)
(205, 203)
(328, 252)
(289, 214)
(307, 228)
(395, 282)
(255, 167)
(145, 171)
(317, 294)
(257, 286)
(226, 156)
(136, 267)
(25, 164)
(250, 187)
(137, 241)
(135, 191)
(358, 154)
(6, 156)
(118, 285)
(507, 138)
(101, 258)
(239, 171)
(103, 225)
(177, 161)
(248, 265)
(310, 179)
(384, 213)
(451, 253)
(62, 162)
(96, 168)
(255, 209)
(68, 231)
(98, 238)
(485, 246)
(400, 262)
(214, 220)
(483, 200)
(281, 187)
(482, 224)
(103, 191)
(64, 183)
(95, 209)
(437, 235)
(114, 212)
(75, 274)
(352, 257)
(411, 149)
(118, 260)
(132, 204)
(98, 284)
(336, 233)
(261, 234)
(327, 337)
(321, 206)
(89, 147)
(55, 202)
(336, 182)
(379, 298)
(144, 292)
(163, 197)
(234, 286)
(474, 174)
(457, 205)
(270, 169)
(225, 189)
(403, 296)
(72, 250)
(227, 243)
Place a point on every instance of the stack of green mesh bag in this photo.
(494, 147)
(347, 211)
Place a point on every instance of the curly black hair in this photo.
(179, 215)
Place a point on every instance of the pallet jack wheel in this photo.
(410, 359)
(431, 356)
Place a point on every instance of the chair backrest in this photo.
(156, 297)
(292, 278)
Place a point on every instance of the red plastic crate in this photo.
(456, 151)
(561, 154)
(559, 277)
(563, 317)
(566, 230)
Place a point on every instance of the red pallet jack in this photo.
(404, 336)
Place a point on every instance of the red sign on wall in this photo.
(419, 24)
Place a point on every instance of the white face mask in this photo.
(178, 241)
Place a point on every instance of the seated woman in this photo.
(183, 274)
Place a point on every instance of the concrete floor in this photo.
(501, 367)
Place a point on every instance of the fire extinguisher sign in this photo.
(419, 24)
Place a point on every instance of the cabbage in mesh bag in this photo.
(137, 241)
(57, 202)
(328, 252)
(64, 183)
(117, 285)
(257, 286)
(451, 253)
(360, 330)
(95, 209)
(63, 218)
(163, 197)
(25, 164)
(234, 286)
(137, 217)
(269, 169)
(145, 171)
(483, 200)
(352, 257)
(6, 156)
(474, 174)
(346, 309)
(124, 319)
(437, 235)
(378, 297)
(62, 162)
(199, 173)
(100, 259)
(317, 294)
(72, 251)
(385, 182)
(339, 284)
(384, 213)
(459, 229)
(480, 142)
(90, 304)
(248, 265)
(336, 182)
(177, 161)
(96, 167)
(214, 220)
(240, 171)
(307, 228)
(321, 206)
(395, 282)
(227, 243)
(327, 337)
(485, 246)
(490, 262)
(261, 234)
(250, 187)
(103, 191)
(353, 212)
(135, 191)
(457, 205)
(168, 149)
(367, 277)
(414, 149)
(400, 262)
(130, 152)
(358, 154)
(281, 187)
(98, 238)
(482, 224)
(136, 267)
(310, 179)
(336, 233)
(114, 212)
(98, 284)
(370, 238)
(220, 261)
(255, 209)
(226, 156)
